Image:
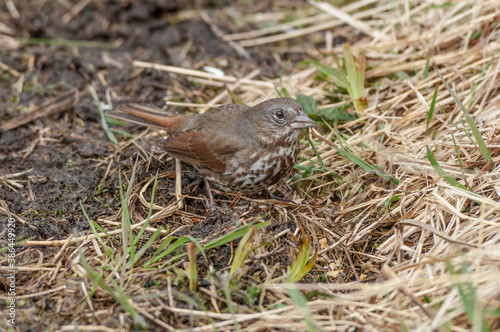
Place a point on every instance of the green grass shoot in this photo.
(474, 311)
(347, 151)
(301, 264)
(101, 107)
(447, 177)
(475, 131)
(300, 302)
(431, 110)
(352, 73)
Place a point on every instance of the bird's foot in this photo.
(210, 204)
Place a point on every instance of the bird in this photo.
(235, 147)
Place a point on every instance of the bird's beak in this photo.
(302, 121)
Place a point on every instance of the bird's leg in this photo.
(210, 205)
(267, 194)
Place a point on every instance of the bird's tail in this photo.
(148, 115)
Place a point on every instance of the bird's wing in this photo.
(192, 147)
(209, 140)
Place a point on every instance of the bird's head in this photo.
(279, 118)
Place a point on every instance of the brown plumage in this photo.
(235, 147)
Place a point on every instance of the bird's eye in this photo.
(280, 115)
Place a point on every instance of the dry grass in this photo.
(420, 255)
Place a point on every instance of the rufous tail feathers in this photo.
(148, 115)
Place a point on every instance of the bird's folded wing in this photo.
(192, 147)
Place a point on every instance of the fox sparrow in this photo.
(235, 147)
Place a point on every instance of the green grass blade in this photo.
(458, 157)
(350, 154)
(300, 265)
(146, 246)
(320, 161)
(235, 234)
(465, 131)
(448, 178)
(121, 132)
(285, 93)
(431, 110)
(300, 302)
(230, 304)
(309, 105)
(467, 293)
(115, 291)
(108, 250)
(102, 230)
(475, 131)
(100, 107)
(234, 97)
(177, 244)
(245, 247)
(158, 251)
(7, 247)
(329, 72)
(127, 233)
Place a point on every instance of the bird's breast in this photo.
(255, 170)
